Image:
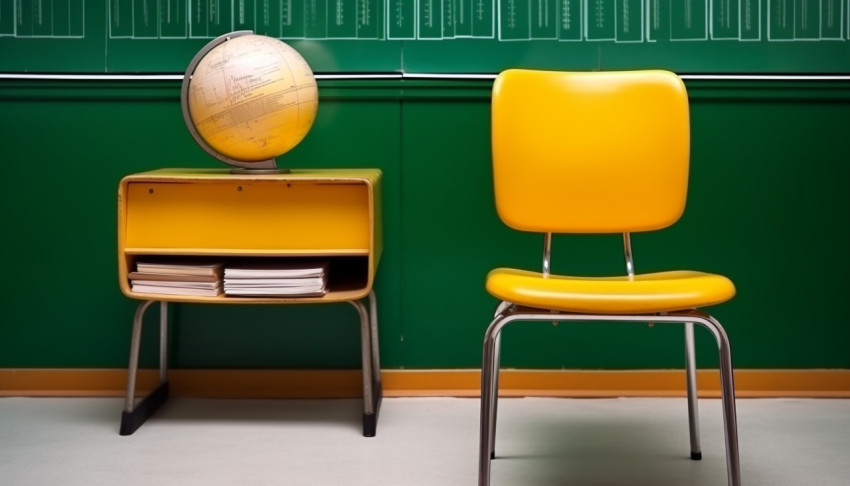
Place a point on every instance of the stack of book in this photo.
(201, 279)
(303, 279)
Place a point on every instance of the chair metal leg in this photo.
(727, 392)
(691, 373)
(494, 396)
(489, 370)
(134, 415)
(494, 401)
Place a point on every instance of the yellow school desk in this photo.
(198, 214)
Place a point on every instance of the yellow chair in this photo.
(600, 152)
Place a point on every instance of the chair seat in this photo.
(645, 294)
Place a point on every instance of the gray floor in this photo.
(420, 441)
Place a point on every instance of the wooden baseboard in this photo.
(631, 383)
(423, 383)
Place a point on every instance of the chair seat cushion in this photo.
(645, 294)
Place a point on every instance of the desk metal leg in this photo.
(376, 355)
(372, 392)
(134, 415)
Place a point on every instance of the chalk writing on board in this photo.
(42, 19)
(617, 21)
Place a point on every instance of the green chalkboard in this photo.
(436, 36)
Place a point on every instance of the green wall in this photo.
(768, 207)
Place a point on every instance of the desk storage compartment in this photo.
(347, 275)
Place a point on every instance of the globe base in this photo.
(268, 166)
(244, 170)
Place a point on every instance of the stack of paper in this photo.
(201, 279)
(303, 279)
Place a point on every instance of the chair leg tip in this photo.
(696, 456)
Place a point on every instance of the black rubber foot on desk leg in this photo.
(131, 421)
(370, 424)
(696, 456)
(370, 420)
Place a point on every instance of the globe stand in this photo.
(264, 169)
(268, 166)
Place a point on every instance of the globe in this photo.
(249, 98)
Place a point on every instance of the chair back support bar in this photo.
(547, 254)
(629, 256)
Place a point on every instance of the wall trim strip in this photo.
(405, 75)
(819, 383)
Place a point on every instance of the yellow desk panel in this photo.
(248, 215)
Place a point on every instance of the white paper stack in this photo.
(198, 279)
(301, 279)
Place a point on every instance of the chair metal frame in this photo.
(135, 414)
(507, 313)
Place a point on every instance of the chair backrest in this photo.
(590, 152)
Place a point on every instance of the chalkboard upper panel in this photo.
(436, 36)
(52, 36)
(719, 36)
